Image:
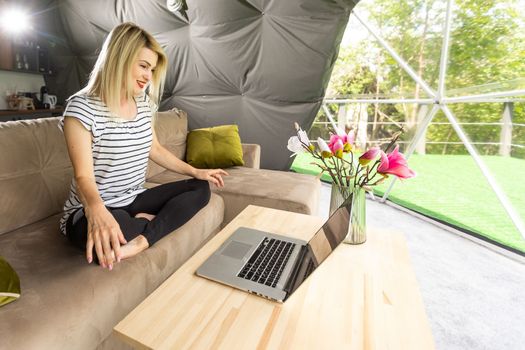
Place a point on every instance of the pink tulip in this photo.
(336, 143)
(337, 148)
(368, 156)
(334, 138)
(395, 163)
(350, 138)
(346, 138)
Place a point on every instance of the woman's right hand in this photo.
(104, 234)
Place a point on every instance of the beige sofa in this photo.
(69, 304)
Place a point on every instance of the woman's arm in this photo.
(160, 155)
(103, 230)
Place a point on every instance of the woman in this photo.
(107, 126)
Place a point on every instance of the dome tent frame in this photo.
(439, 101)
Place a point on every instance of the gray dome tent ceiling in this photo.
(260, 64)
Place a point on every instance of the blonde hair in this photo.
(111, 75)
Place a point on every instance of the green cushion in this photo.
(9, 283)
(216, 147)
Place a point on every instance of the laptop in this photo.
(272, 265)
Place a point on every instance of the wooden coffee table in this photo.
(361, 297)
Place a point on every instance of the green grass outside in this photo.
(451, 188)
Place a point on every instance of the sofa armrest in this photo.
(251, 154)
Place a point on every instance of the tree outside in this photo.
(487, 53)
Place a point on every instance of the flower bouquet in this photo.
(352, 171)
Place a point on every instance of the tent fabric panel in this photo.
(260, 64)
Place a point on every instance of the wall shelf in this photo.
(25, 55)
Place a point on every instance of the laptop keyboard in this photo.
(266, 264)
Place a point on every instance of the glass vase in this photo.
(357, 226)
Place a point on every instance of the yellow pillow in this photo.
(216, 147)
(9, 283)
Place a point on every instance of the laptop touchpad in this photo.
(236, 250)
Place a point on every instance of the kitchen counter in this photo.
(8, 115)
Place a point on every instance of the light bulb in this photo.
(15, 20)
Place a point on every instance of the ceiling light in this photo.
(15, 21)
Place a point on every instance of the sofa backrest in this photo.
(171, 128)
(35, 172)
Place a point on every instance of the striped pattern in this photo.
(120, 151)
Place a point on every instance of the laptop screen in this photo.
(331, 233)
(329, 236)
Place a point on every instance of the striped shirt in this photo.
(120, 151)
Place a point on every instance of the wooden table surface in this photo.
(361, 297)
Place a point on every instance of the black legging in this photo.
(173, 204)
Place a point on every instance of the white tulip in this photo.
(303, 137)
(323, 146)
(294, 145)
(297, 144)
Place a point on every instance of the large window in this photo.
(464, 104)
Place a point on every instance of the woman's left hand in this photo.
(212, 175)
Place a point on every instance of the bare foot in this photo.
(133, 247)
(145, 216)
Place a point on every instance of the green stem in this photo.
(350, 163)
(362, 178)
(358, 170)
(345, 174)
(378, 181)
(337, 168)
(328, 168)
(373, 168)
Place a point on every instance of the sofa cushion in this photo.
(268, 188)
(215, 147)
(251, 155)
(171, 129)
(9, 283)
(35, 171)
(68, 303)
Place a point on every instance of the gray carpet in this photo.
(474, 296)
